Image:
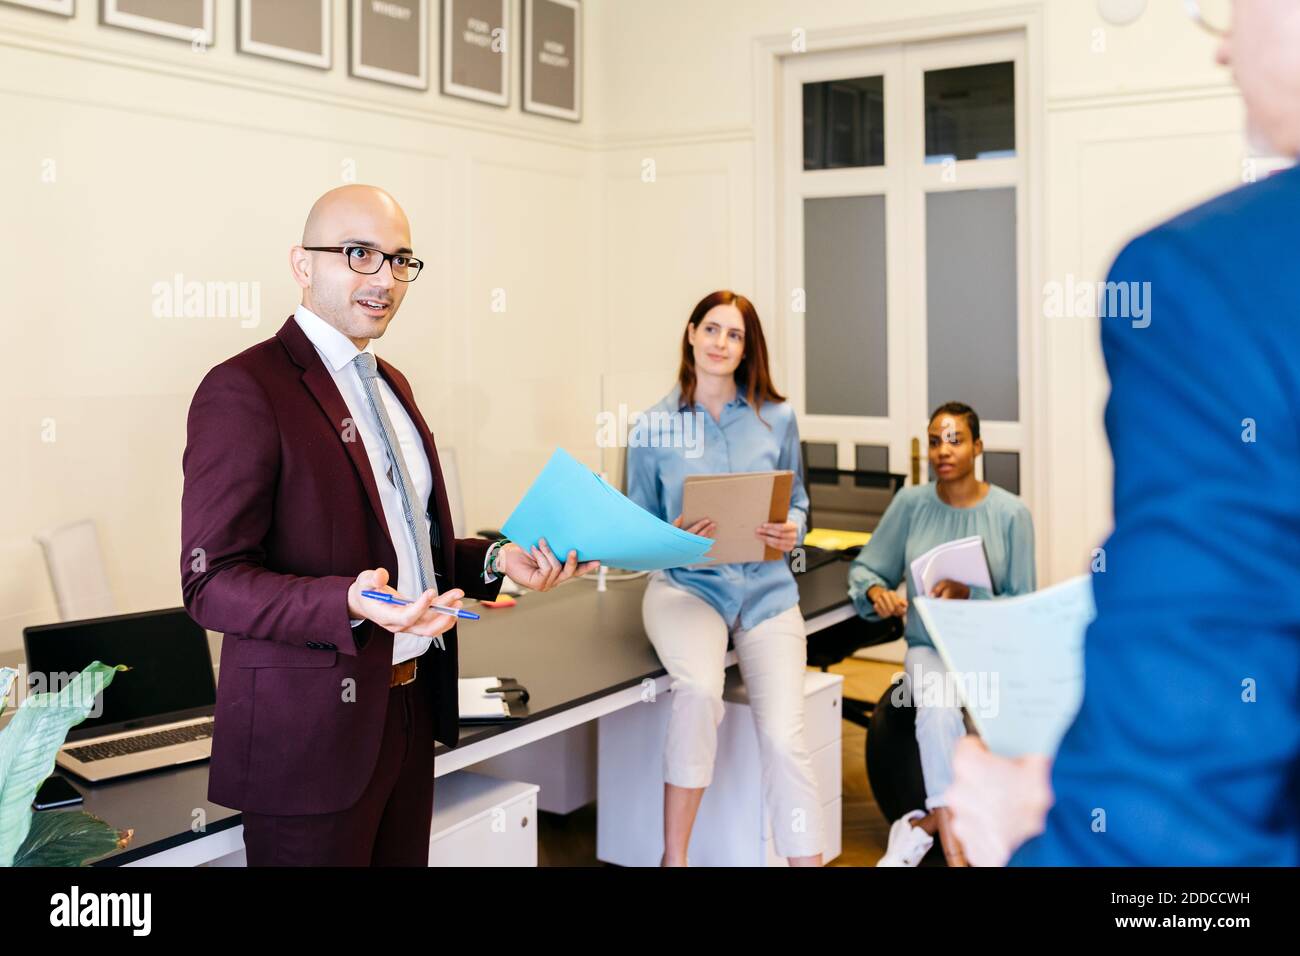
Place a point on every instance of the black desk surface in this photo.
(568, 647)
(603, 648)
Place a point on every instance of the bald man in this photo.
(310, 476)
(1186, 749)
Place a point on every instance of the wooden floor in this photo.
(571, 840)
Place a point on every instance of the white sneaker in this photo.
(907, 844)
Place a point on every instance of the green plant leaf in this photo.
(68, 838)
(29, 744)
(7, 675)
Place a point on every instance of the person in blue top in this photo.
(956, 505)
(1186, 748)
(725, 415)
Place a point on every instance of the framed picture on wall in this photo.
(298, 31)
(388, 41)
(553, 58)
(62, 7)
(181, 19)
(476, 41)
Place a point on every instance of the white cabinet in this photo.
(482, 821)
(563, 765)
(732, 828)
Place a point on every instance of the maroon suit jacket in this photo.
(279, 514)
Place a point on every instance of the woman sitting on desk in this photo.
(741, 424)
(920, 517)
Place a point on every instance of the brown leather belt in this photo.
(403, 673)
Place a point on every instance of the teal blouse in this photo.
(917, 520)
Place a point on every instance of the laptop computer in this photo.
(158, 714)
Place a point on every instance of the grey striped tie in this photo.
(416, 523)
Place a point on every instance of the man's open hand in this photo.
(537, 568)
(413, 618)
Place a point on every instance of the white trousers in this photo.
(691, 639)
(939, 723)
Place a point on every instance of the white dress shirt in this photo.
(337, 352)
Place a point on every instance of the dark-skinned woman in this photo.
(956, 505)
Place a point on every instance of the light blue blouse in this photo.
(917, 520)
(671, 443)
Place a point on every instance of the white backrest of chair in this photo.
(451, 479)
(77, 571)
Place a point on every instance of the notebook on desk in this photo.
(491, 700)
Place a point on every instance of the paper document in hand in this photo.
(1016, 662)
(961, 560)
(575, 509)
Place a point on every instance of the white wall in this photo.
(1138, 121)
(168, 161)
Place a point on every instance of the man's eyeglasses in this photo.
(1215, 16)
(368, 261)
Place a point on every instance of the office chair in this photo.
(449, 462)
(77, 572)
(893, 757)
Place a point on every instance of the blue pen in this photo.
(389, 599)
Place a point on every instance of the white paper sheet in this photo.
(961, 560)
(1017, 663)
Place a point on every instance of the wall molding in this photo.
(669, 139)
(1150, 96)
(50, 43)
(438, 153)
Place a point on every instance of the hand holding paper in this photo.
(705, 527)
(537, 568)
(779, 536)
(962, 561)
(748, 510)
(997, 803)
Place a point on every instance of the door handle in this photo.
(916, 461)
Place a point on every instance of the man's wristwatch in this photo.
(494, 552)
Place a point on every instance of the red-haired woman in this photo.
(738, 423)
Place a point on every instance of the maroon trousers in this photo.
(388, 826)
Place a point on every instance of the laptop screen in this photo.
(170, 676)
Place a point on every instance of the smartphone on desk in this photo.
(56, 792)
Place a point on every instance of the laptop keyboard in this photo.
(134, 745)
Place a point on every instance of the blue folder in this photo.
(575, 509)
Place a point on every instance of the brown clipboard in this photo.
(738, 503)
